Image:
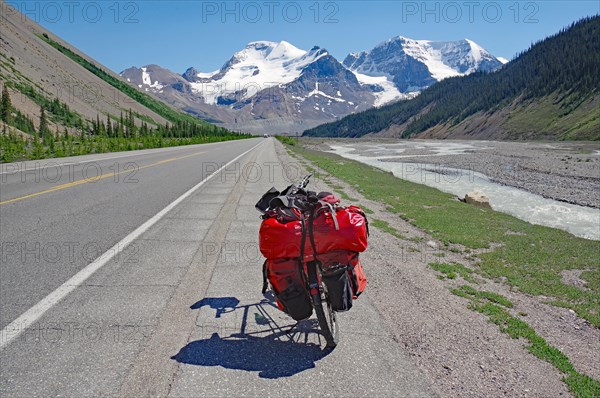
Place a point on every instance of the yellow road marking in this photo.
(94, 179)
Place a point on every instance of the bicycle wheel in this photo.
(326, 317)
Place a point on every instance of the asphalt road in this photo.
(178, 312)
(99, 200)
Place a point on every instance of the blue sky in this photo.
(204, 34)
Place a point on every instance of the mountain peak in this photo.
(283, 49)
(416, 64)
(191, 74)
(477, 51)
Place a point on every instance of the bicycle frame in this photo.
(316, 287)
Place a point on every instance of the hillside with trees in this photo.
(56, 101)
(550, 91)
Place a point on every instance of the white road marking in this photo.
(19, 325)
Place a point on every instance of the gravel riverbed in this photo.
(568, 172)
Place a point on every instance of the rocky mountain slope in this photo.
(35, 73)
(39, 70)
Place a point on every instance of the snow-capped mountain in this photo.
(259, 66)
(413, 65)
(278, 88)
(267, 86)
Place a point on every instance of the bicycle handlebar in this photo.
(305, 181)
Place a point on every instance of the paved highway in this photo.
(58, 216)
(132, 274)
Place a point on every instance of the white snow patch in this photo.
(285, 51)
(390, 92)
(206, 75)
(503, 60)
(148, 81)
(316, 91)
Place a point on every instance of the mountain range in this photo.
(551, 91)
(275, 87)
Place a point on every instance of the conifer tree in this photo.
(5, 106)
(108, 126)
(43, 129)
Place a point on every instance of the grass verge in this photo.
(385, 227)
(451, 270)
(286, 140)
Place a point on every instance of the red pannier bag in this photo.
(288, 286)
(356, 273)
(342, 273)
(279, 239)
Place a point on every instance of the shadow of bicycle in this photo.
(270, 349)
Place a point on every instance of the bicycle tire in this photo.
(327, 320)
